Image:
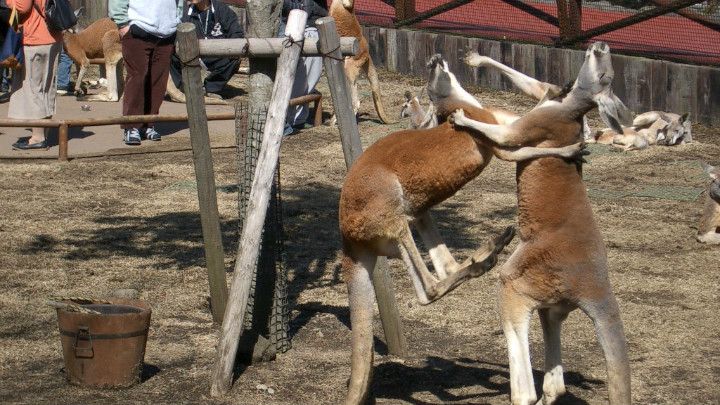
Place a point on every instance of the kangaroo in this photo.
(343, 11)
(560, 263)
(709, 229)
(679, 129)
(419, 118)
(541, 91)
(100, 39)
(393, 185)
(631, 138)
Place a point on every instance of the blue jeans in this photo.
(63, 73)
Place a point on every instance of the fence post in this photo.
(248, 247)
(352, 148)
(188, 52)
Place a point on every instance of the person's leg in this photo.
(63, 73)
(221, 70)
(306, 78)
(136, 55)
(158, 78)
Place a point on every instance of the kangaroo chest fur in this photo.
(561, 256)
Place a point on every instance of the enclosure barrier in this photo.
(189, 50)
(64, 125)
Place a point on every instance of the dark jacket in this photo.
(313, 9)
(218, 21)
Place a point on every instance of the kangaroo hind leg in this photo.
(551, 320)
(605, 314)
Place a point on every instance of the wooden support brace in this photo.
(187, 44)
(268, 47)
(249, 244)
(352, 148)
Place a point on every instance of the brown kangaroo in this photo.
(561, 261)
(100, 39)
(392, 185)
(361, 63)
(709, 229)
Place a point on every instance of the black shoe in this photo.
(24, 145)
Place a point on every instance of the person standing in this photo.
(147, 35)
(213, 19)
(33, 85)
(309, 69)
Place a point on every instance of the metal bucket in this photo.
(106, 350)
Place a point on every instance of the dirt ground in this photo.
(91, 226)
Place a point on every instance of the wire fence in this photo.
(689, 34)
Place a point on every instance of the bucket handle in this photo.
(85, 351)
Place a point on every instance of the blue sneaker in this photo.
(151, 134)
(132, 136)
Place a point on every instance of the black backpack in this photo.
(59, 16)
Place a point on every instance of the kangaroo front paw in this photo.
(457, 118)
(576, 152)
(473, 58)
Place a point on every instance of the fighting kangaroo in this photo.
(541, 91)
(709, 229)
(343, 11)
(561, 261)
(392, 185)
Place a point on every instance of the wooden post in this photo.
(63, 142)
(202, 158)
(352, 148)
(248, 247)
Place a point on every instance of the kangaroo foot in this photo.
(476, 265)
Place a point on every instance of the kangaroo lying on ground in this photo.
(709, 229)
(100, 39)
(632, 139)
(561, 262)
(648, 129)
(361, 63)
(392, 185)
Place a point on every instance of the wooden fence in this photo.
(643, 84)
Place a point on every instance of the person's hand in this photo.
(124, 30)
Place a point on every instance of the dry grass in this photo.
(89, 227)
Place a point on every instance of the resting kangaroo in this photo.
(709, 229)
(561, 262)
(392, 185)
(343, 11)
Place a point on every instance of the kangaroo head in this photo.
(411, 106)
(443, 88)
(594, 81)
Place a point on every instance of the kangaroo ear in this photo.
(408, 95)
(684, 117)
(612, 111)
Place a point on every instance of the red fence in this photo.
(670, 36)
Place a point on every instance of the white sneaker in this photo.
(62, 92)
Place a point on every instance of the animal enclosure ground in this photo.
(90, 227)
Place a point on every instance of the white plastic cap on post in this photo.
(295, 28)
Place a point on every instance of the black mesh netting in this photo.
(267, 312)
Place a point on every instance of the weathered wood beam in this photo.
(432, 12)
(628, 21)
(187, 43)
(249, 244)
(352, 148)
(533, 11)
(268, 47)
